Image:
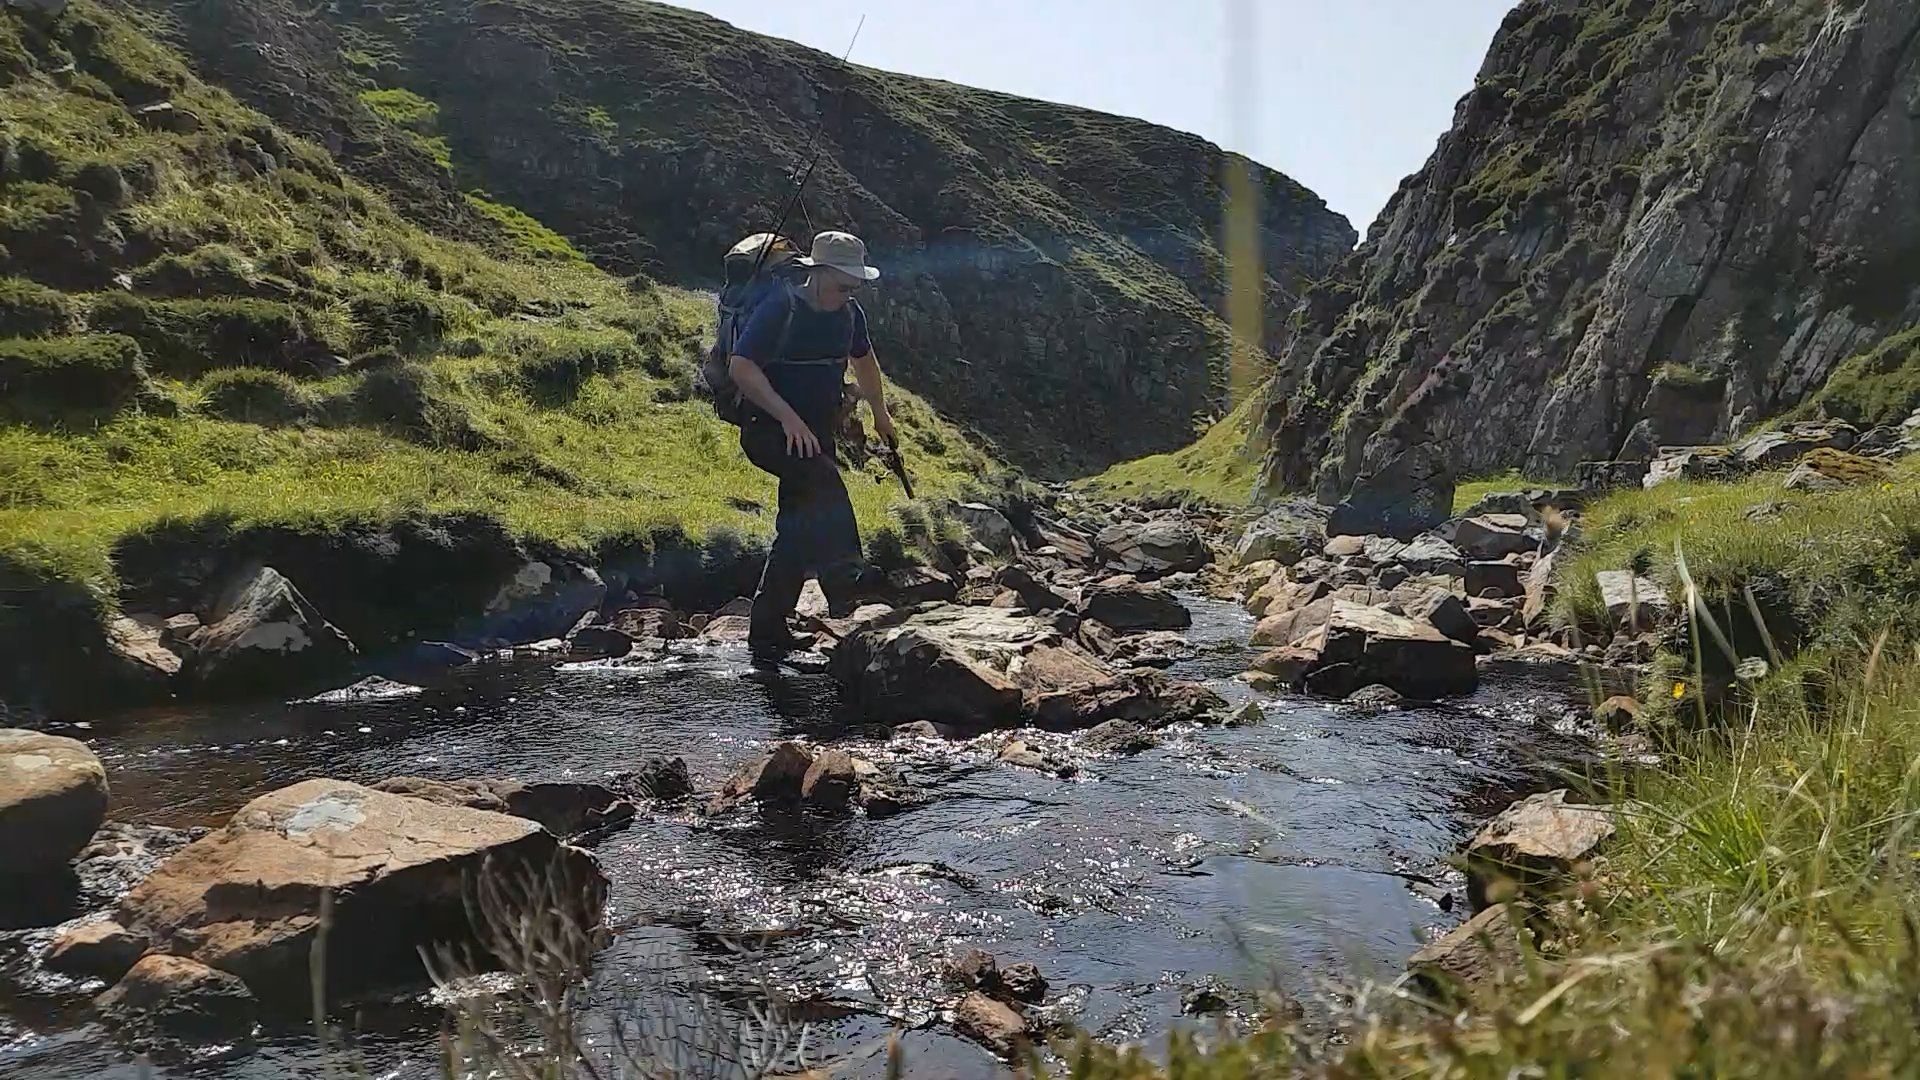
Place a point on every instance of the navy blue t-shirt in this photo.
(805, 359)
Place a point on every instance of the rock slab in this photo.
(53, 796)
(246, 899)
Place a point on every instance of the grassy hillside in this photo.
(1053, 275)
(201, 315)
(1218, 467)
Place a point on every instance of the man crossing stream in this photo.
(789, 365)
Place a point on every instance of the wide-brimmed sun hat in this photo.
(840, 251)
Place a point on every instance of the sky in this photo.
(1346, 96)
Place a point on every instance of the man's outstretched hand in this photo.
(801, 442)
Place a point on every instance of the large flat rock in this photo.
(53, 795)
(246, 899)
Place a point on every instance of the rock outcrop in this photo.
(168, 1004)
(246, 899)
(263, 634)
(1651, 224)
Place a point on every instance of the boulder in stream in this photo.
(53, 796)
(262, 636)
(95, 949)
(1286, 533)
(1406, 495)
(1354, 645)
(993, 667)
(246, 899)
(170, 1005)
(795, 774)
(563, 808)
(1127, 605)
(992, 1023)
(1162, 545)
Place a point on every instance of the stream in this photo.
(1277, 855)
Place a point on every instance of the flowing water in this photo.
(1278, 855)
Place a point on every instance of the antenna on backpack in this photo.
(813, 158)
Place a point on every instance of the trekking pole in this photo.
(813, 159)
(899, 466)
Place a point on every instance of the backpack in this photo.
(757, 268)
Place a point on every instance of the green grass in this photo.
(1220, 467)
(1878, 386)
(1468, 492)
(1846, 558)
(532, 387)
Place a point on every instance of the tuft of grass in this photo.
(29, 309)
(531, 237)
(254, 396)
(1468, 492)
(68, 378)
(1878, 386)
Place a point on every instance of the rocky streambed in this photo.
(1106, 799)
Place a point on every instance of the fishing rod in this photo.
(813, 160)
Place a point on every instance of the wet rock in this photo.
(263, 635)
(564, 808)
(97, 949)
(1021, 755)
(1155, 648)
(165, 1003)
(911, 585)
(1248, 715)
(1116, 738)
(921, 729)
(371, 688)
(1633, 603)
(1471, 953)
(1486, 578)
(993, 1024)
(53, 796)
(602, 642)
(1492, 536)
(1406, 495)
(1285, 534)
(1147, 697)
(1369, 645)
(663, 779)
(246, 899)
(1532, 845)
(1153, 548)
(830, 781)
(726, 629)
(1204, 999)
(1287, 665)
(1133, 605)
(544, 598)
(795, 774)
(121, 856)
(974, 969)
(1023, 982)
(1617, 714)
(650, 622)
(1374, 698)
(986, 667)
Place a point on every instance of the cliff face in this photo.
(1653, 222)
(1053, 275)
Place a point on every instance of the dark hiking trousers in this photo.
(814, 532)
